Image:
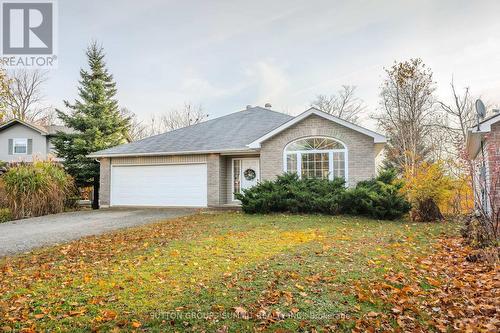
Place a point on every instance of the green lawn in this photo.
(217, 272)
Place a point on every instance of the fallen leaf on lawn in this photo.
(241, 312)
(108, 315)
(298, 286)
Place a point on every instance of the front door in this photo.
(246, 173)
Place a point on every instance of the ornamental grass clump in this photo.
(38, 188)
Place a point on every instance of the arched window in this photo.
(316, 157)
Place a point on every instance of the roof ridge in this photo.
(266, 109)
(210, 120)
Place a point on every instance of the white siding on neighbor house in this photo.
(18, 131)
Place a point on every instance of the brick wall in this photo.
(361, 148)
(493, 147)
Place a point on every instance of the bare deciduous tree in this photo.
(25, 97)
(4, 94)
(407, 104)
(460, 116)
(344, 104)
(138, 129)
(186, 116)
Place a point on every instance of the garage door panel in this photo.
(159, 185)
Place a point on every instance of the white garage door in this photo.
(159, 185)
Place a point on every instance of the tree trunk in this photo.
(427, 211)
(95, 197)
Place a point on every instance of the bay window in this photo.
(316, 157)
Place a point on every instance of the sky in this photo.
(224, 55)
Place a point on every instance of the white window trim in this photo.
(232, 177)
(317, 151)
(18, 140)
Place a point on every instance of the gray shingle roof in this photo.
(53, 129)
(231, 132)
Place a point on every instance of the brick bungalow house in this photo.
(483, 147)
(205, 164)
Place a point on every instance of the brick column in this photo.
(213, 179)
(105, 182)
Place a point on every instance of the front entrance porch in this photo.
(245, 173)
(229, 174)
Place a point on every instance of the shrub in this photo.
(288, 193)
(5, 215)
(3, 195)
(35, 189)
(427, 189)
(380, 198)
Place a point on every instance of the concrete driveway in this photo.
(24, 235)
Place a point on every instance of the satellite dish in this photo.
(480, 109)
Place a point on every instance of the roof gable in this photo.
(13, 122)
(476, 134)
(377, 138)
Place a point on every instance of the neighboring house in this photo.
(205, 164)
(24, 141)
(483, 147)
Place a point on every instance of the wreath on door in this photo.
(249, 174)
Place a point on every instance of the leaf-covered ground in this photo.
(231, 272)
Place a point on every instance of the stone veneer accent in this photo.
(360, 148)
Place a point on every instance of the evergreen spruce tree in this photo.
(97, 122)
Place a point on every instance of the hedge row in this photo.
(378, 198)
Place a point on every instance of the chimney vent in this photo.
(249, 107)
(268, 105)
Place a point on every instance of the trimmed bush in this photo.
(36, 189)
(379, 198)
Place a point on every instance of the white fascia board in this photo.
(194, 152)
(377, 138)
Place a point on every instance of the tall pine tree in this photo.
(96, 119)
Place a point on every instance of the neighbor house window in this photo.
(316, 157)
(20, 146)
